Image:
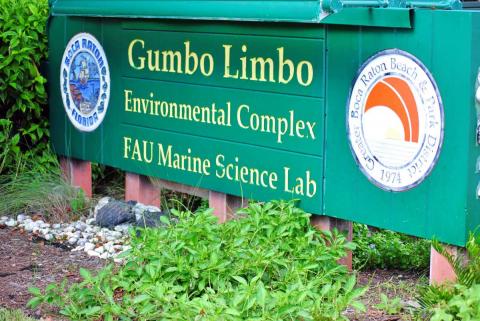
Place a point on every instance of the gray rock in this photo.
(48, 237)
(101, 203)
(114, 213)
(150, 219)
(56, 226)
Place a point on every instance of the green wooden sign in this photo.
(265, 110)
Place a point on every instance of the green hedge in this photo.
(23, 99)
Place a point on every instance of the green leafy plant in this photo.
(441, 300)
(23, 112)
(267, 264)
(389, 306)
(386, 249)
(463, 306)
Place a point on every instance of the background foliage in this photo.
(386, 249)
(23, 100)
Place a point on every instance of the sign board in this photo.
(264, 110)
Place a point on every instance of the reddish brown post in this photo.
(78, 173)
(323, 222)
(224, 205)
(440, 270)
(140, 189)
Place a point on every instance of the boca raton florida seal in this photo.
(85, 82)
(395, 120)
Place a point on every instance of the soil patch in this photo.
(27, 261)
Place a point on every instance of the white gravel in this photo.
(81, 235)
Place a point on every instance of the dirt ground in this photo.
(26, 261)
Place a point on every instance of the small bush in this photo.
(464, 306)
(23, 99)
(388, 250)
(460, 301)
(269, 265)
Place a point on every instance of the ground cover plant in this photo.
(459, 301)
(269, 265)
(384, 249)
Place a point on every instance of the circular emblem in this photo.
(395, 120)
(85, 82)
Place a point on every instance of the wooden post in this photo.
(224, 205)
(440, 270)
(77, 173)
(140, 189)
(323, 222)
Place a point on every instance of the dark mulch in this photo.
(27, 261)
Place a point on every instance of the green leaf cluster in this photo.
(23, 99)
(463, 306)
(268, 263)
(459, 301)
(386, 249)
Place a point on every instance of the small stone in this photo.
(45, 231)
(72, 240)
(412, 304)
(93, 253)
(104, 255)
(11, 223)
(80, 226)
(21, 218)
(81, 242)
(4, 218)
(90, 221)
(100, 249)
(89, 247)
(48, 237)
(57, 226)
(39, 222)
(118, 260)
(28, 227)
(122, 228)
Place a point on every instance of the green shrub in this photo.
(464, 306)
(453, 299)
(269, 265)
(386, 249)
(23, 112)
